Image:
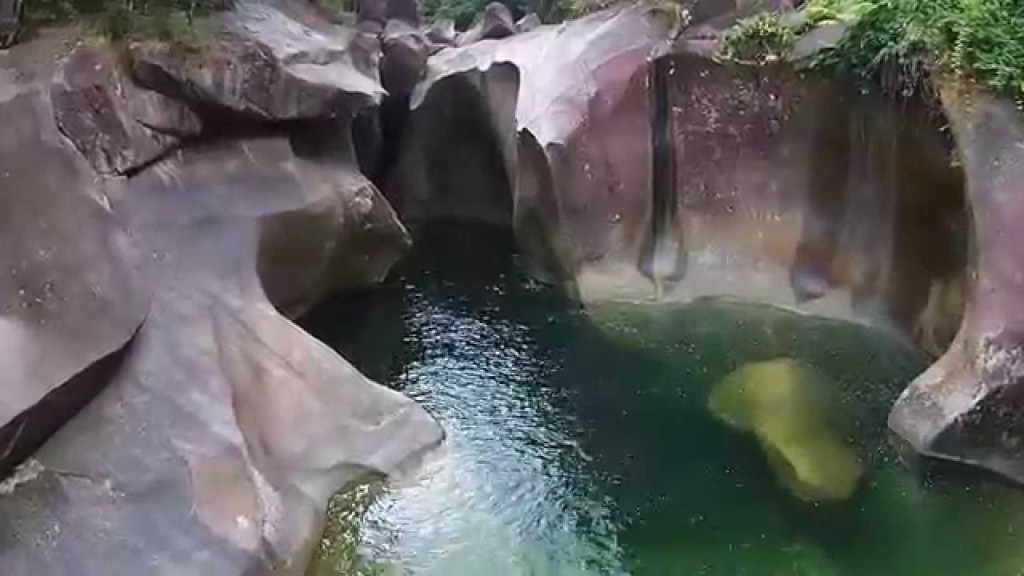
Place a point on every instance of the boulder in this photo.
(789, 409)
(509, 110)
(495, 22)
(529, 22)
(404, 61)
(272, 62)
(167, 415)
(69, 297)
(654, 171)
(115, 125)
(968, 406)
(442, 32)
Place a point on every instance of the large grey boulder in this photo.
(69, 297)
(271, 62)
(115, 125)
(495, 22)
(967, 407)
(507, 110)
(528, 23)
(404, 62)
(168, 416)
(442, 32)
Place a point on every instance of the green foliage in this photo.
(165, 20)
(461, 11)
(898, 41)
(758, 40)
(464, 12)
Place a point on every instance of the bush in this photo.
(897, 43)
(464, 12)
(758, 40)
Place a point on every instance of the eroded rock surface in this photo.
(190, 427)
(691, 177)
(495, 22)
(272, 61)
(968, 407)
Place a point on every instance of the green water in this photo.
(579, 442)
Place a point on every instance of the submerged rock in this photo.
(786, 406)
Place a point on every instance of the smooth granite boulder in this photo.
(114, 124)
(405, 51)
(495, 22)
(272, 61)
(528, 23)
(164, 413)
(69, 296)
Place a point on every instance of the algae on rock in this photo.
(786, 405)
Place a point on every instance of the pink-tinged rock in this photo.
(969, 406)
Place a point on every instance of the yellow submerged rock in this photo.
(786, 406)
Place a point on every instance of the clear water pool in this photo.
(581, 443)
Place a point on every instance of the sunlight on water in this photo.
(581, 443)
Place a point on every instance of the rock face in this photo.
(968, 406)
(653, 170)
(272, 62)
(689, 178)
(495, 22)
(149, 248)
(405, 50)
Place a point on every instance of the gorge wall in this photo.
(166, 213)
(638, 166)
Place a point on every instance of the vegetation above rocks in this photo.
(898, 42)
(166, 20)
(463, 12)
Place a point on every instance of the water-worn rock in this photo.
(753, 183)
(495, 22)
(968, 406)
(442, 32)
(510, 111)
(68, 297)
(272, 62)
(404, 62)
(527, 23)
(213, 429)
(114, 124)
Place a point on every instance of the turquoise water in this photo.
(580, 442)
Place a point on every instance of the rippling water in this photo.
(581, 443)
